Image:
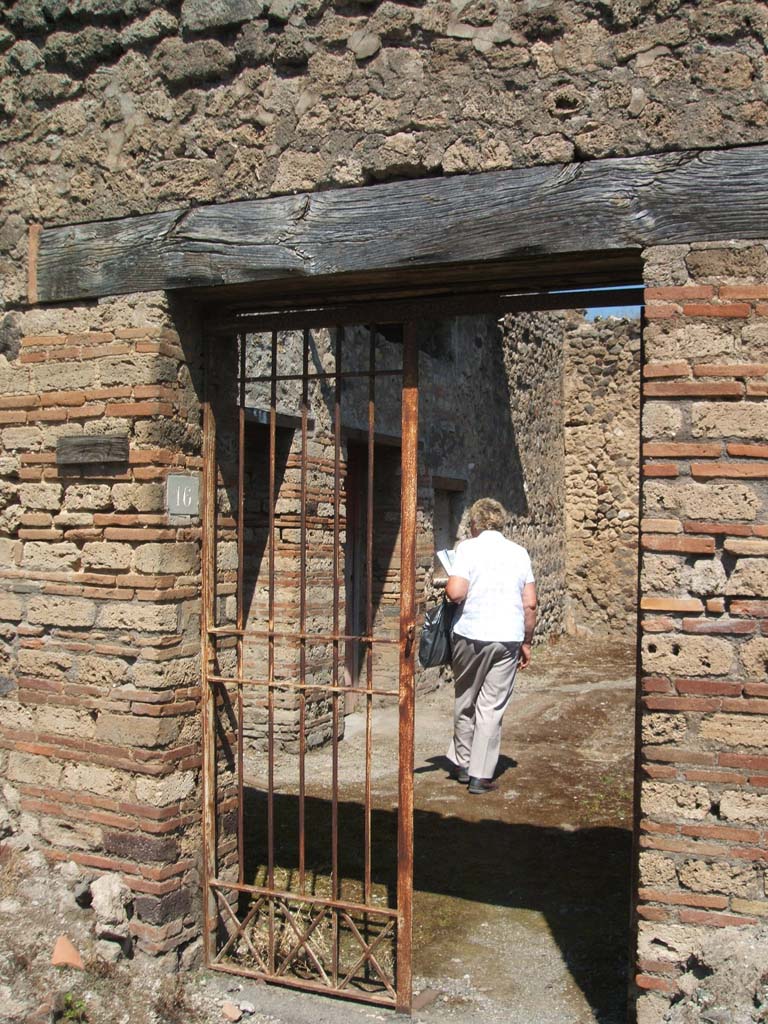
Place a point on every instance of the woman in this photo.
(492, 637)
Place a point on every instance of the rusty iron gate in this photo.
(304, 886)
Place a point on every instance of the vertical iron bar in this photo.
(369, 609)
(240, 610)
(335, 675)
(303, 610)
(271, 655)
(409, 494)
(207, 654)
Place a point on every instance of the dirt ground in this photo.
(521, 897)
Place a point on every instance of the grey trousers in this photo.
(484, 674)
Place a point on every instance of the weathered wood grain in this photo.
(98, 448)
(596, 206)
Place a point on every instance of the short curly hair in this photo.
(487, 514)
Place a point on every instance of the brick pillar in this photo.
(704, 601)
(99, 730)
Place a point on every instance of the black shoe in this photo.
(478, 786)
(459, 775)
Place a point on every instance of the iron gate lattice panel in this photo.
(310, 459)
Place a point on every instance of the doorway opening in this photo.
(312, 653)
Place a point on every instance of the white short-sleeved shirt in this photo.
(497, 570)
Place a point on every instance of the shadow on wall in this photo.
(578, 880)
(465, 422)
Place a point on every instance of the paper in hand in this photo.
(446, 560)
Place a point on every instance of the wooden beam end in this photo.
(34, 248)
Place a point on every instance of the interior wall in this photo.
(533, 364)
(602, 476)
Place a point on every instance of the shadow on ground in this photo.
(577, 879)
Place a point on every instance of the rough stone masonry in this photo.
(116, 108)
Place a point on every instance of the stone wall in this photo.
(534, 364)
(574, 392)
(100, 740)
(602, 440)
(704, 643)
(110, 108)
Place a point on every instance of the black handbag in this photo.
(435, 641)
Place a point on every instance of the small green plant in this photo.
(74, 1009)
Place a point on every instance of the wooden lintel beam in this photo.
(597, 206)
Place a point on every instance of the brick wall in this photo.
(704, 800)
(99, 737)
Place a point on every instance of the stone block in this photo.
(198, 15)
(48, 556)
(137, 369)
(92, 497)
(707, 502)
(749, 578)
(43, 497)
(9, 493)
(167, 674)
(46, 663)
(742, 262)
(652, 1009)
(720, 876)
(110, 899)
(199, 61)
(754, 338)
(22, 439)
(106, 555)
(663, 728)
(62, 721)
(754, 657)
(158, 23)
(226, 556)
(167, 790)
(141, 848)
(666, 341)
(729, 419)
(657, 871)
(32, 770)
(90, 778)
(71, 834)
(687, 656)
(735, 730)
(138, 497)
(61, 611)
(136, 730)
(95, 670)
(10, 519)
(662, 574)
(739, 806)
(145, 618)
(707, 576)
(160, 909)
(71, 376)
(14, 380)
(159, 559)
(675, 800)
(11, 607)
